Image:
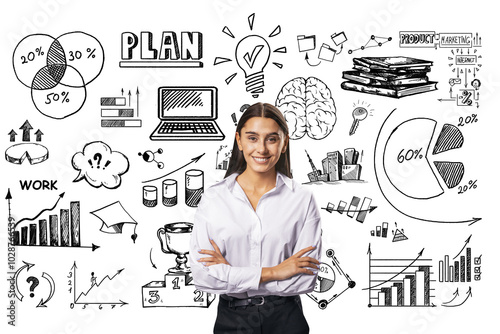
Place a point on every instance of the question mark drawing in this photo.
(34, 283)
(98, 157)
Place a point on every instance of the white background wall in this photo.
(360, 19)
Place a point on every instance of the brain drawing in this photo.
(308, 107)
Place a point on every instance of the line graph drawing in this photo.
(91, 295)
(374, 41)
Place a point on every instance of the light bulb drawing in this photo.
(252, 54)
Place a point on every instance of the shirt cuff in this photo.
(245, 278)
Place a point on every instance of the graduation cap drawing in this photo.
(114, 217)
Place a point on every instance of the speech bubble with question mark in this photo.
(34, 283)
(99, 165)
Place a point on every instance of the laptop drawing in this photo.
(187, 113)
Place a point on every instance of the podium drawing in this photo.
(177, 288)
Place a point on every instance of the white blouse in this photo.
(286, 220)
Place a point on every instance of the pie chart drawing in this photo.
(415, 170)
(409, 144)
(35, 153)
(325, 279)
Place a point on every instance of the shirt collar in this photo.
(280, 180)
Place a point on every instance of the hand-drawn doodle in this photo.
(463, 65)
(389, 76)
(381, 231)
(99, 165)
(431, 39)
(149, 156)
(149, 196)
(114, 217)
(327, 53)
(92, 296)
(34, 152)
(187, 113)
(224, 164)
(459, 268)
(66, 235)
(373, 42)
(477, 268)
(397, 282)
(359, 113)
(34, 281)
(194, 187)
(177, 289)
(408, 180)
(308, 107)
(252, 53)
(193, 160)
(329, 278)
(337, 168)
(116, 113)
(401, 143)
(174, 52)
(362, 212)
(59, 78)
(456, 294)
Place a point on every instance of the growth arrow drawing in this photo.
(26, 127)
(160, 177)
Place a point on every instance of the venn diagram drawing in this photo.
(57, 70)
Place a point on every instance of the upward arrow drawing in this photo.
(26, 127)
(137, 98)
(38, 135)
(12, 135)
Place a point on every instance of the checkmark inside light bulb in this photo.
(250, 59)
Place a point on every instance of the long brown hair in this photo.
(237, 163)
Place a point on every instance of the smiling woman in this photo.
(256, 239)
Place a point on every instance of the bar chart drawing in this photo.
(61, 230)
(400, 282)
(460, 268)
(357, 207)
(381, 231)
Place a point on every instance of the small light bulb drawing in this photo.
(252, 55)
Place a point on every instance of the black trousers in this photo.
(270, 318)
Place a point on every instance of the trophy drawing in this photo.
(176, 237)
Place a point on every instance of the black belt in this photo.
(257, 300)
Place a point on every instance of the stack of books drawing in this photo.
(389, 76)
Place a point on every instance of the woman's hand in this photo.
(216, 256)
(295, 264)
